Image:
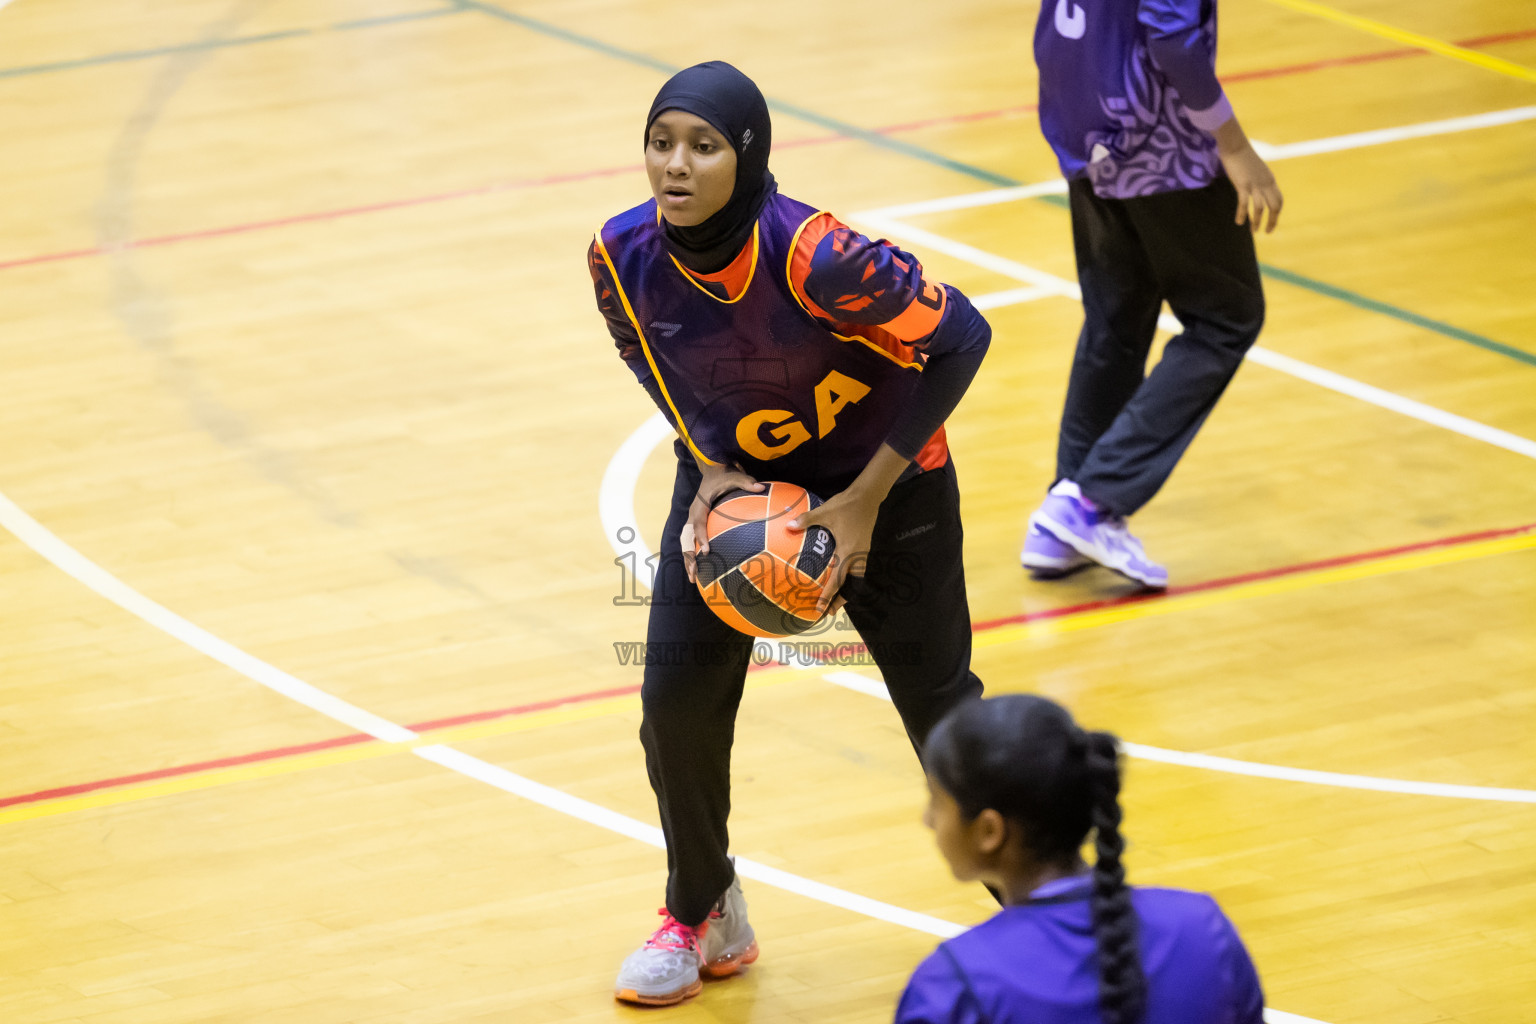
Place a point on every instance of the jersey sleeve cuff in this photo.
(1213, 116)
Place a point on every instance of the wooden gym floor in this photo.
(320, 474)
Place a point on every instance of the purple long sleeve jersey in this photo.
(1128, 93)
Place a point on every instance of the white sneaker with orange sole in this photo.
(675, 960)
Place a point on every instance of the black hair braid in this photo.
(1122, 985)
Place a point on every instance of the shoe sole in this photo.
(729, 964)
(1066, 536)
(1055, 569)
(629, 995)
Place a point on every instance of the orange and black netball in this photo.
(760, 577)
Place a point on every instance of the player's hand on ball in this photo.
(850, 518)
(717, 480)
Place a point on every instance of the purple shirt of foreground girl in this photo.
(1034, 964)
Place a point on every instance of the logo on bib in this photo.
(1071, 20)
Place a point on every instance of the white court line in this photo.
(1055, 186)
(1047, 283)
(37, 537)
(620, 478)
(1395, 402)
(1359, 140)
(98, 580)
(616, 499)
(1011, 297)
(109, 587)
(1284, 151)
(51, 547)
(1042, 283)
(584, 810)
(860, 683)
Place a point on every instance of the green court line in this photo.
(395, 19)
(820, 120)
(844, 129)
(993, 178)
(216, 44)
(1408, 316)
(158, 51)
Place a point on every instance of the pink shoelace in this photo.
(673, 935)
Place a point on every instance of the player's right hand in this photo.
(717, 480)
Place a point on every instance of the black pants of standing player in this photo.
(1123, 430)
(911, 601)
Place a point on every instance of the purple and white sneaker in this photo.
(1077, 522)
(1047, 558)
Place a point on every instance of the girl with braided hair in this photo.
(1015, 786)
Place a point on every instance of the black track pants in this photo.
(1123, 430)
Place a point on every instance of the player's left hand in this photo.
(850, 518)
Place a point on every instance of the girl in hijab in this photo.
(781, 345)
(1014, 788)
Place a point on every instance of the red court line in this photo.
(524, 709)
(625, 691)
(324, 215)
(980, 115)
(818, 140)
(310, 748)
(185, 769)
(1254, 577)
(1227, 582)
(1367, 58)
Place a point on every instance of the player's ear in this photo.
(989, 831)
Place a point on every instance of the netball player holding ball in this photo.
(782, 346)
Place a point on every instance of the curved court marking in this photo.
(103, 583)
(35, 536)
(41, 540)
(863, 684)
(61, 555)
(616, 509)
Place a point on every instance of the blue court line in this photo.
(124, 56)
(1290, 277)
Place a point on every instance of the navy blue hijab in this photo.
(733, 106)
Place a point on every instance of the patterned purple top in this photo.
(1128, 93)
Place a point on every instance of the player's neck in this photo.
(1025, 877)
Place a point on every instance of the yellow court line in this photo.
(1400, 35)
(773, 677)
(1259, 588)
